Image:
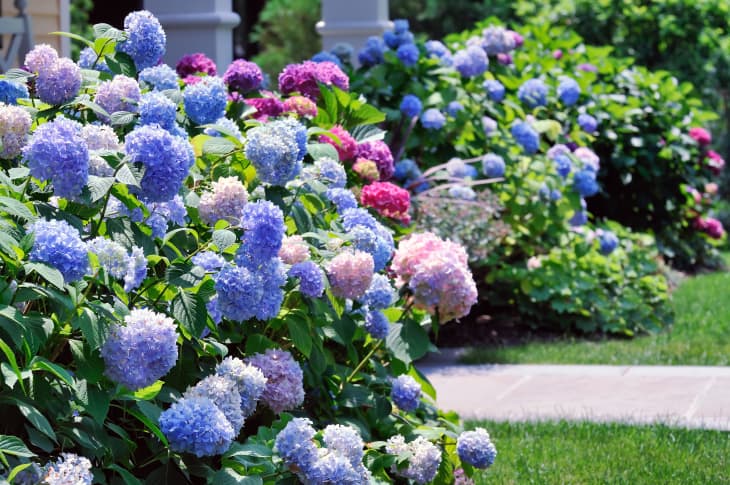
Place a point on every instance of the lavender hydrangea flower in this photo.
(408, 54)
(379, 152)
(311, 278)
(243, 76)
(160, 78)
(373, 52)
(162, 213)
(377, 324)
(59, 244)
(433, 119)
(495, 89)
(263, 224)
(295, 446)
(476, 448)
(406, 393)
(59, 83)
(497, 40)
(273, 277)
(69, 468)
(457, 168)
(454, 108)
(411, 106)
(346, 441)
(15, 124)
(141, 351)
(239, 292)
(489, 125)
(197, 426)
(56, 152)
(372, 242)
(208, 260)
(156, 108)
(526, 136)
(471, 62)
(166, 158)
(205, 101)
(249, 380)
(120, 94)
(284, 388)
(343, 199)
(333, 468)
(136, 269)
(493, 165)
(224, 394)
(146, 40)
(587, 123)
(568, 91)
(276, 150)
(41, 57)
(533, 93)
(425, 458)
(11, 91)
(380, 294)
(462, 192)
(437, 49)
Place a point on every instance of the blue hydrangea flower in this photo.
(380, 294)
(462, 192)
(284, 389)
(453, 108)
(230, 126)
(136, 269)
(273, 277)
(89, 60)
(159, 78)
(580, 217)
(112, 256)
(563, 165)
(544, 192)
(373, 52)
(406, 393)
(587, 123)
(400, 35)
(11, 91)
(208, 260)
(424, 461)
(584, 182)
(343, 51)
(346, 441)
(526, 136)
(411, 106)
(533, 93)
(568, 91)
(328, 171)
(495, 89)
(358, 217)
(57, 153)
(493, 165)
(224, 394)
(311, 278)
(239, 292)
(167, 159)
(205, 101)
(250, 381)
(58, 244)
(156, 108)
(471, 62)
(197, 426)
(489, 125)
(377, 324)
(215, 314)
(436, 48)
(433, 119)
(343, 199)
(295, 446)
(497, 40)
(555, 195)
(408, 54)
(333, 468)
(406, 169)
(324, 56)
(141, 351)
(59, 83)
(277, 149)
(145, 42)
(69, 468)
(476, 448)
(368, 241)
(608, 242)
(119, 94)
(263, 225)
(456, 168)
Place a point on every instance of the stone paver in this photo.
(689, 396)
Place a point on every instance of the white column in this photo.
(352, 22)
(197, 26)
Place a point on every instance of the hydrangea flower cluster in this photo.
(437, 49)
(710, 226)
(263, 225)
(471, 61)
(498, 40)
(378, 152)
(462, 192)
(568, 91)
(350, 274)
(156, 108)
(223, 392)
(304, 78)
(328, 171)
(294, 249)
(276, 150)
(58, 82)
(380, 294)
(284, 389)
(700, 135)
(388, 200)
(377, 324)
(167, 159)
(121, 93)
(457, 168)
(424, 461)
(476, 448)
(205, 101)
(526, 136)
(243, 76)
(159, 78)
(437, 273)
(14, 127)
(69, 468)
(146, 40)
(408, 54)
(250, 382)
(411, 106)
(433, 119)
(587, 123)
(311, 278)
(301, 106)
(345, 144)
(494, 89)
(88, 59)
(406, 393)
(58, 244)
(493, 165)
(196, 425)
(343, 199)
(533, 93)
(141, 351)
(373, 53)
(11, 91)
(607, 241)
(584, 182)
(369, 236)
(225, 201)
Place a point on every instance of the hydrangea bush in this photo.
(203, 281)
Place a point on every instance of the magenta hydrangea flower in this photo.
(284, 389)
(191, 64)
(267, 106)
(243, 76)
(350, 274)
(304, 78)
(378, 152)
(388, 200)
(346, 145)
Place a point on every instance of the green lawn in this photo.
(699, 336)
(586, 453)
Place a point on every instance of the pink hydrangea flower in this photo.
(347, 146)
(304, 78)
(700, 135)
(294, 250)
(225, 201)
(388, 199)
(350, 274)
(715, 162)
(367, 169)
(301, 105)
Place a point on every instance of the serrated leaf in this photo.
(12, 445)
(190, 311)
(48, 273)
(106, 31)
(121, 63)
(35, 418)
(121, 118)
(322, 150)
(15, 73)
(99, 186)
(130, 175)
(223, 239)
(299, 333)
(217, 145)
(16, 208)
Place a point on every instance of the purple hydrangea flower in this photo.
(145, 42)
(59, 245)
(284, 389)
(379, 152)
(59, 83)
(243, 76)
(41, 57)
(497, 40)
(197, 426)
(141, 351)
(192, 64)
(208, 260)
(306, 77)
(120, 94)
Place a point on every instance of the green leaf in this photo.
(149, 415)
(16, 208)
(106, 31)
(48, 273)
(36, 418)
(366, 115)
(128, 478)
(190, 311)
(15, 73)
(10, 355)
(299, 333)
(230, 477)
(148, 393)
(121, 63)
(12, 445)
(121, 118)
(41, 363)
(223, 239)
(184, 274)
(74, 37)
(99, 186)
(217, 145)
(130, 175)
(322, 150)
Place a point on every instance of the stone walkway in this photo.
(687, 396)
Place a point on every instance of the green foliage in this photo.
(285, 33)
(79, 10)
